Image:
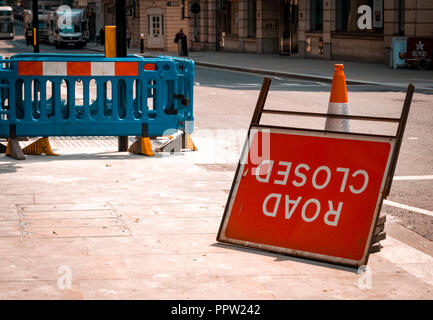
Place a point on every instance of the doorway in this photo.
(289, 27)
(155, 30)
(221, 23)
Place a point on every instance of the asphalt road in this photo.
(226, 99)
(225, 79)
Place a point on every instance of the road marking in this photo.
(303, 84)
(240, 85)
(406, 207)
(411, 260)
(426, 177)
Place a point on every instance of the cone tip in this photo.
(339, 67)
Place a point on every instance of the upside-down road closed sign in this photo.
(306, 193)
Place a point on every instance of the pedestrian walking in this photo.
(177, 39)
(102, 36)
(128, 37)
(182, 43)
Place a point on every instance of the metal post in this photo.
(142, 43)
(121, 51)
(399, 138)
(121, 45)
(257, 115)
(35, 26)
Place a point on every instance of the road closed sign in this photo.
(310, 194)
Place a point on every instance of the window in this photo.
(252, 24)
(316, 15)
(346, 16)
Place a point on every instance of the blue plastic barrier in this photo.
(90, 95)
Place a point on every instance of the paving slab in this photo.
(43, 290)
(169, 250)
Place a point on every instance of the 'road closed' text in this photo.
(299, 175)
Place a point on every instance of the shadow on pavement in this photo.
(112, 155)
(281, 257)
(9, 167)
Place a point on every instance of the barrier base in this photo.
(142, 146)
(2, 148)
(173, 144)
(177, 143)
(40, 146)
(379, 235)
(122, 143)
(14, 150)
(187, 142)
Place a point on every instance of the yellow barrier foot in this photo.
(188, 143)
(40, 146)
(142, 146)
(14, 150)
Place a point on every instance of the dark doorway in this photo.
(289, 27)
(222, 22)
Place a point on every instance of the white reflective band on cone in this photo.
(333, 124)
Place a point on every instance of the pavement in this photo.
(308, 69)
(94, 223)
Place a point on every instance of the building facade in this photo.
(350, 29)
(157, 21)
(94, 18)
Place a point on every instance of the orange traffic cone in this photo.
(338, 103)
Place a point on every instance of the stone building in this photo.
(308, 28)
(94, 18)
(158, 21)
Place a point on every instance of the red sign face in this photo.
(308, 194)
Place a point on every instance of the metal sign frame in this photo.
(394, 140)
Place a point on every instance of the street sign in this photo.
(420, 51)
(309, 194)
(128, 11)
(312, 193)
(195, 8)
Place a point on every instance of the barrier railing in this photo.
(90, 95)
